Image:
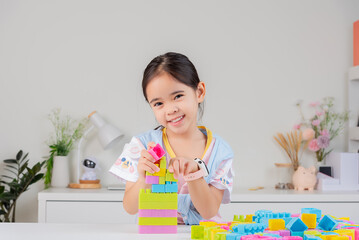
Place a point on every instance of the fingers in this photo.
(151, 145)
(173, 167)
(147, 162)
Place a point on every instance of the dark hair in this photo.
(175, 64)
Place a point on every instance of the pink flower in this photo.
(323, 141)
(319, 113)
(314, 104)
(324, 133)
(297, 126)
(316, 122)
(313, 145)
(308, 134)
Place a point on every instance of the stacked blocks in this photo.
(157, 209)
(295, 229)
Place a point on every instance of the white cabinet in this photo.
(353, 104)
(339, 204)
(65, 205)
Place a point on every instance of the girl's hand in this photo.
(182, 166)
(146, 163)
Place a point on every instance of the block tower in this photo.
(157, 209)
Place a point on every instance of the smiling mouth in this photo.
(177, 119)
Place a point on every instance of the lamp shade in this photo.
(107, 133)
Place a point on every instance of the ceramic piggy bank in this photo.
(304, 178)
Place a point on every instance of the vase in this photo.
(60, 172)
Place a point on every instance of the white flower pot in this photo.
(60, 172)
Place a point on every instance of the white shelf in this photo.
(353, 105)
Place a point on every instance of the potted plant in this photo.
(67, 131)
(323, 126)
(20, 178)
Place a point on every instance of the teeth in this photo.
(177, 119)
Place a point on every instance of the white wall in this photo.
(256, 57)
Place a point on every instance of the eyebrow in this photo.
(174, 93)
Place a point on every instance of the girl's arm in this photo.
(206, 198)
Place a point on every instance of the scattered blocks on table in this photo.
(276, 224)
(296, 225)
(316, 211)
(309, 219)
(327, 223)
(197, 232)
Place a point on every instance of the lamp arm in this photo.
(79, 151)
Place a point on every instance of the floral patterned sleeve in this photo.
(223, 179)
(125, 167)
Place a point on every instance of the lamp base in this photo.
(86, 184)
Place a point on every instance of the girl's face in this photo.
(174, 104)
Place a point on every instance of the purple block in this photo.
(152, 179)
(157, 213)
(143, 229)
(284, 233)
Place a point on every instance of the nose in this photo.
(171, 109)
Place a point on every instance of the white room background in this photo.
(257, 58)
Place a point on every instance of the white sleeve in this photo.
(125, 167)
(223, 179)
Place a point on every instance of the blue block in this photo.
(297, 233)
(311, 237)
(234, 236)
(250, 228)
(158, 188)
(171, 188)
(327, 223)
(313, 211)
(296, 225)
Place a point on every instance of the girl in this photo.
(172, 88)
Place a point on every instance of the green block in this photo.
(221, 236)
(197, 232)
(148, 200)
(207, 232)
(165, 221)
(163, 163)
(170, 177)
(162, 180)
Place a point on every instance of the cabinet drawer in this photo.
(87, 212)
(338, 209)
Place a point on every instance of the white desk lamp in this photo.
(107, 135)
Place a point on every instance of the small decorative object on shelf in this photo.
(283, 176)
(67, 131)
(322, 127)
(292, 145)
(304, 179)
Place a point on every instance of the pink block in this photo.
(152, 179)
(284, 233)
(297, 215)
(225, 227)
(157, 213)
(143, 229)
(356, 235)
(157, 152)
(292, 238)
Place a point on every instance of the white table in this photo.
(61, 231)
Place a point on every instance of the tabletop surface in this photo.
(52, 231)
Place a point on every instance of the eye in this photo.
(157, 104)
(178, 96)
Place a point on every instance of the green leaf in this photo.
(10, 161)
(18, 156)
(37, 178)
(2, 189)
(24, 158)
(23, 167)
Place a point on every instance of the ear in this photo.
(201, 91)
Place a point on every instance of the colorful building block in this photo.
(152, 179)
(155, 229)
(316, 211)
(309, 219)
(157, 152)
(250, 228)
(276, 224)
(170, 177)
(296, 225)
(327, 223)
(158, 188)
(157, 213)
(197, 232)
(171, 187)
(149, 200)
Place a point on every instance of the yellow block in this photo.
(309, 219)
(276, 224)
